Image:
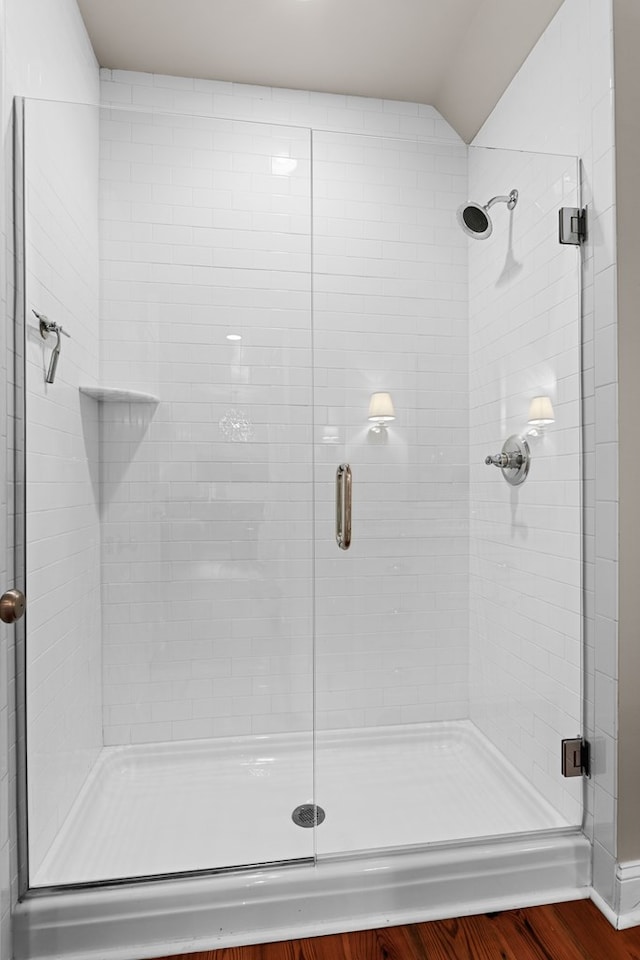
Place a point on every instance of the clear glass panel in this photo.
(169, 473)
(525, 592)
(448, 634)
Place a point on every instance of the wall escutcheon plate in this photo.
(514, 460)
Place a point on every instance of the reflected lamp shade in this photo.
(541, 412)
(381, 408)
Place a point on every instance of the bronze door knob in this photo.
(12, 604)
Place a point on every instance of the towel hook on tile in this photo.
(46, 327)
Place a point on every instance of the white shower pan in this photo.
(207, 804)
(399, 843)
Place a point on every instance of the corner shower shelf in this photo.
(118, 395)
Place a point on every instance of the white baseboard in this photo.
(625, 910)
(604, 907)
(627, 894)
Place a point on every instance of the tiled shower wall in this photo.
(562, 101)
(64, 649)
(206, 495)
(44, 51)
(206, 228)
(390, 314)
(525, 543)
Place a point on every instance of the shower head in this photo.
(475, 220)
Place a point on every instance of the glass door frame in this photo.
(18, 497)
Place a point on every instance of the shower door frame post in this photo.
(17, 486)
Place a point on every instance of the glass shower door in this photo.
(525, 375)
(169, 511)
(391, 401)
(448, 632)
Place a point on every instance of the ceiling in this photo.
(458, 55)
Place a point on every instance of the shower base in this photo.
(200, 805)
(427, 794)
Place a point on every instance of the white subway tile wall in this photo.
(206, 496)
(390, 315)
(202, 201)
(524, 342)
(237, 101)
(64, 650)
(555, 104)
(45, 52)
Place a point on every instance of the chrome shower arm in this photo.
(510, 201)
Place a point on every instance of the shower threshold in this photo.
(158, 809)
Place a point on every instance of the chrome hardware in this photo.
(510, 201)
(12, 605)
(46, 327)
(499, 460)
(572, 225)
(474, 217)
(514, 460)
(576, 757)
(343, 506)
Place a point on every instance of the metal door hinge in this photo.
(576, 758)
(573, 225)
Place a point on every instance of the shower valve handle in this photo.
(514, 460)
(509, 461)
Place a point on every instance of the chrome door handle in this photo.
(343, 506)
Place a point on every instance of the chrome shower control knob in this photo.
(499, 460)
(505, 460)
(514, 460)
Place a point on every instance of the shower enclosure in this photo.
(210, 681)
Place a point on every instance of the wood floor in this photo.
(566, 931)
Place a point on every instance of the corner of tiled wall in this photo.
(570, 110)
(44, 50)
(601, 454)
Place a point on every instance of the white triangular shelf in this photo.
(118, 395)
